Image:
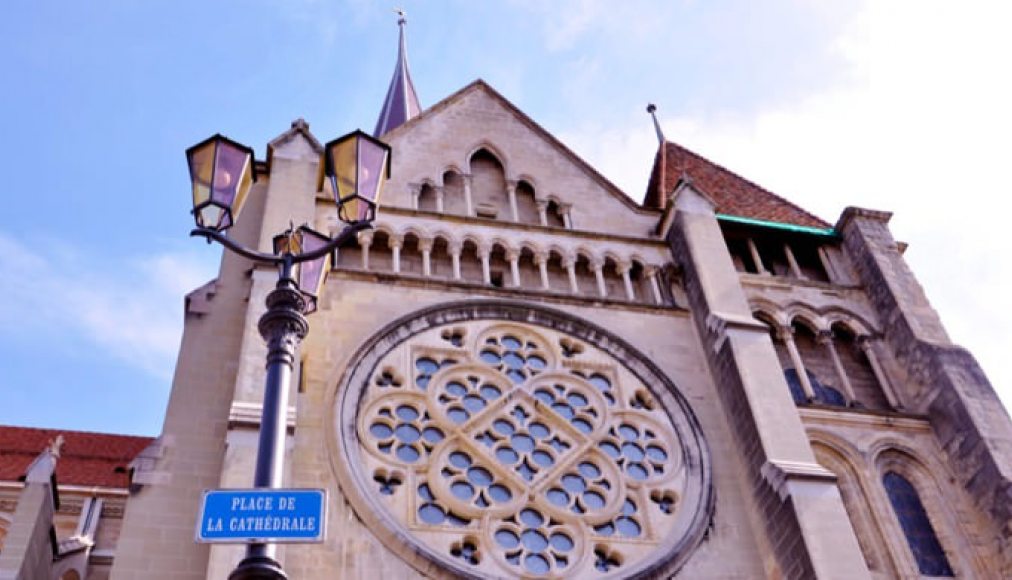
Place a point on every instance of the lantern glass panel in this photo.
(312, 273)
(232, 176)
(288, 243)
(214, 217)
(201, 165)
(343, 159)
(371, 165)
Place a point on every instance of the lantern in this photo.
(357, 166)
(221, 172)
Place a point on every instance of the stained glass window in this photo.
(927, 551)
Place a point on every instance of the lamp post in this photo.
(222, 174)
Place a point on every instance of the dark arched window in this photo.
(931, 560)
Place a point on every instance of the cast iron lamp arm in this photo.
(349, 230)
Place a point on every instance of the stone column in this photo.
(651, 274)
(792, 262)
(567, 218)
(570, 263)
(786, 335)
(511, 193)
(514, 259)
(486, 271)
(827, 265)
(468, 203)
(825, 337)
(800, 509)
(455, 249)
(440, 197)
(865, 344)
(425, 245)
(541, 259)
(756, 258)
(365, 242)
(416, 193)
(623, 270)
(597, 266)
(543, 211)
(395, 244)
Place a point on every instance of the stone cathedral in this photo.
(521, 372)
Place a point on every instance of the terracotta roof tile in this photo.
(733, 194)
(85, 459)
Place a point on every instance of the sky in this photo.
(893, 105)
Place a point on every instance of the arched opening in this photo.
(558, 277)
(818, 366)
(470, 263)
(554, 214)
(454, 201)
(917, 528)
(411, 255)
(380, 255)
(527, 208)
(641, 285)
(427, 198)
(855, 503)
(530, 273)
(488, 186)
(867, 390)
(613, 280)
(500, 275)
(784, 357)
(440, 260)
(349, 254)
(586, 280)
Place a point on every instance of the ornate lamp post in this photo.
(222, 173)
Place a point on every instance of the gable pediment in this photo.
(479, 123)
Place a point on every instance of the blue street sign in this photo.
(262, 516)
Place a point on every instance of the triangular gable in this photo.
(299, 128)
(732, 194)
(481, 85)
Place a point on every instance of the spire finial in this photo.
(401, 103)
(652, 109)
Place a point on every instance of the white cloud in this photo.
(130, 310)
(922, 129)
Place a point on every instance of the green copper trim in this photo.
(828, 232)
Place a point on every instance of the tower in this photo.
(522, 371)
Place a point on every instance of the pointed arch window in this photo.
(924, 545)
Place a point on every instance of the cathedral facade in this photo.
(520, 371)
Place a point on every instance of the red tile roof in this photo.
(733, 194)
(85, 458)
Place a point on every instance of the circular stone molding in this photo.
(493, 439)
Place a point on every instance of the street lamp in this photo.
(222, 173)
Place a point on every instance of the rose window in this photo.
(516, 451)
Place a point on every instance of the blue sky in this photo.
(889, 105)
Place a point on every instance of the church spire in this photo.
(401, 103)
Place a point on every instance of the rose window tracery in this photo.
(514, 451)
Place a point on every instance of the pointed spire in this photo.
(401, 103)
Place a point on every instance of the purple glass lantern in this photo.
(311, 274)
(222, 173)
(357, 166)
